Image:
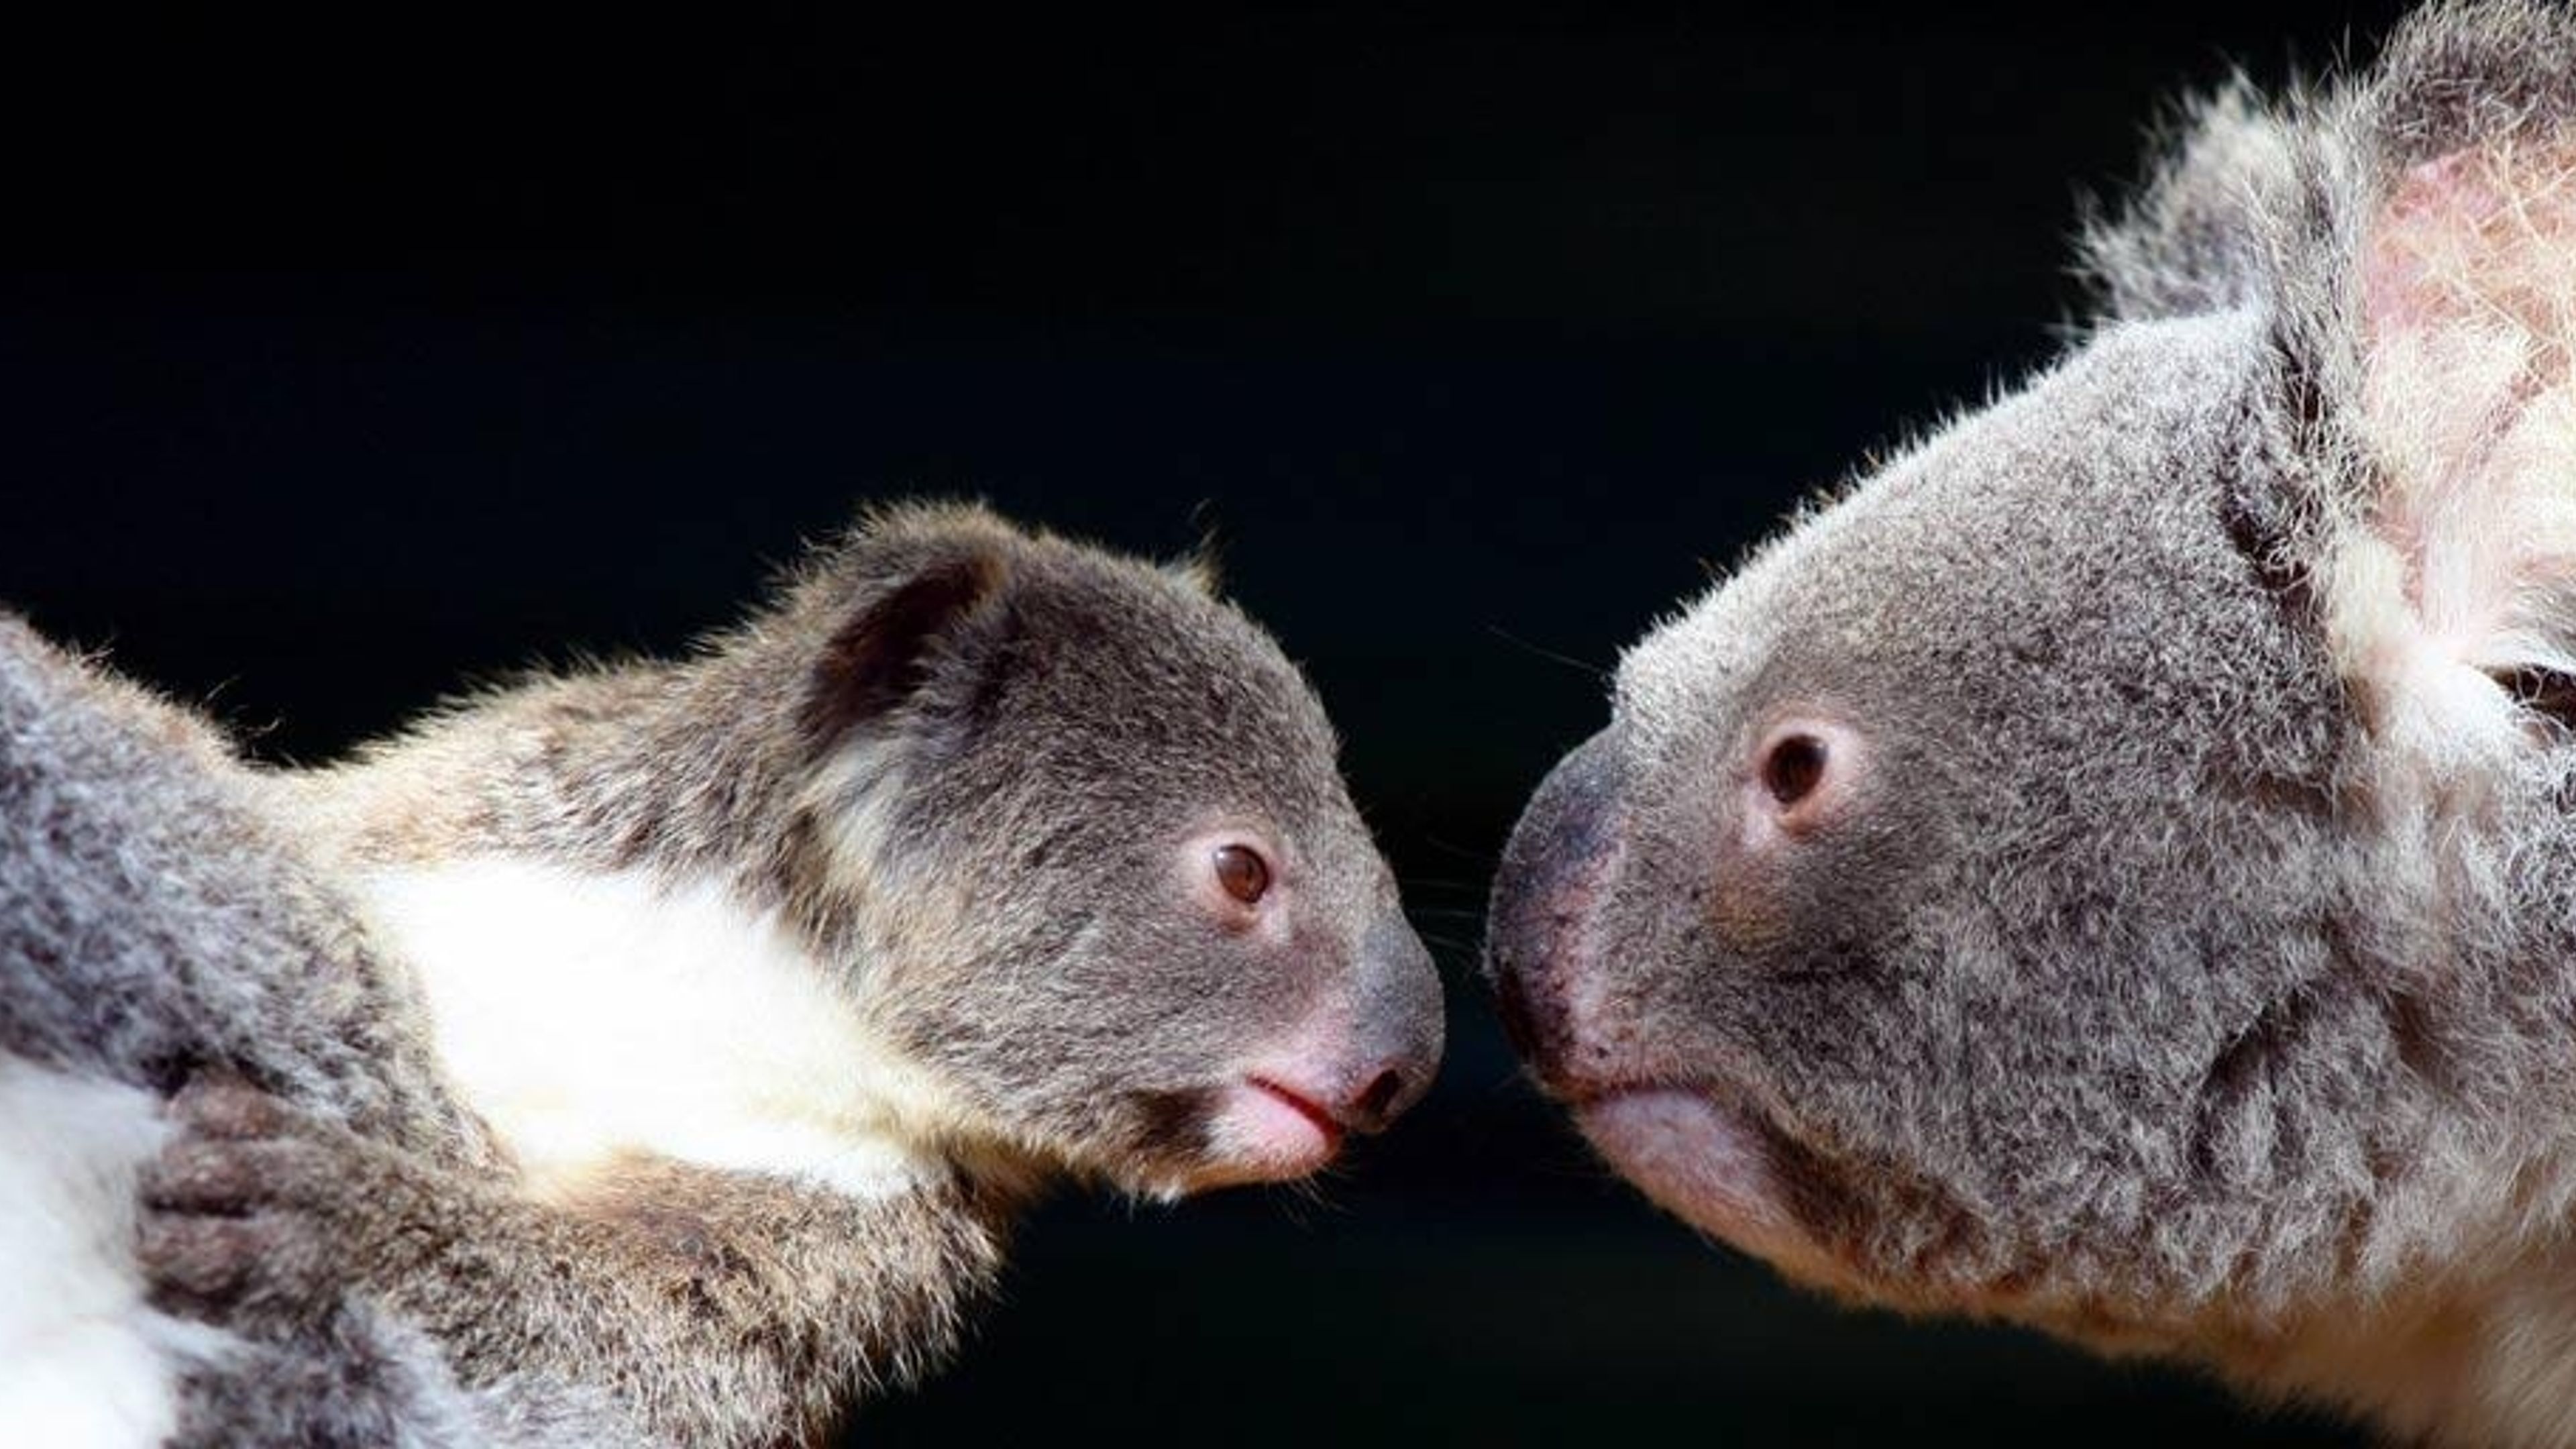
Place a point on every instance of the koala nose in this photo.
(1553, 874)
(1401, 1028)
(1375, 1107)
(1527, 1024)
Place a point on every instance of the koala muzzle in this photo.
(1555, 872)
(1400, 1032)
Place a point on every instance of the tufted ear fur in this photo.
(2207, 232)
(2452, 604)
(2468, 304)
(921, 595)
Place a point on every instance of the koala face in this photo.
(1103, 881)
(2104, 870)
(1927, 907)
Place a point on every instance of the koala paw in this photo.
(245, 1213)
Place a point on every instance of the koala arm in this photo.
(714, 1308)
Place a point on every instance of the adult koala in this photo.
(2113, 870)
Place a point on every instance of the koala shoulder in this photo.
(131, 838)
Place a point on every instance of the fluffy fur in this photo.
(155, 923)
(2173, 946)
(88, 1361)
(657, 1054)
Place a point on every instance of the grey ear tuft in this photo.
(2258, 201)
(2463, 75)
(1201, 568)
(890, 648)
(2205, 233)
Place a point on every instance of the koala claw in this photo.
(218, 1105)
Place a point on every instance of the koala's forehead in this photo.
(2049, 529)
(1125, 674)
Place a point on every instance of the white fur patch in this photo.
(83, 1362)
(587, 1015)
(2466, 572)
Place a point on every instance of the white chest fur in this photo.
(585, 1015)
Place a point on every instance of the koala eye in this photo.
(1794, 768)
(1242, 872)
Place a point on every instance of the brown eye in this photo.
(1793, 769)
(1242, 871)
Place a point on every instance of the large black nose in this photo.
(1401, 1032)
(1554, 874)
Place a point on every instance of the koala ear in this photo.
(2205, 233)
(2453, 602)
(1202, 568)
(916, 604)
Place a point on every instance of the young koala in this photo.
(2115, 869)
(713, 1017)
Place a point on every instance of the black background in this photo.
(346, 355)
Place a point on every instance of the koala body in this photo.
(154, 917)
(739, 1000)
(2111, 869)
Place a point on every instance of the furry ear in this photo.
(2206, 232)
(1202, 568)
(2454, 602)
(927, 597)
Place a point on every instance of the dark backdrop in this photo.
(346, 354)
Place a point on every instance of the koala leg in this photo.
(361, 1379)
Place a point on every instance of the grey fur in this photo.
(1076, 714)
(951, 756)
(142, 876)
(154, 924)
(2146, 972)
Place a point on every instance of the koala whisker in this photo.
(1306, 1194)
(1597, 671)
(1482, 859)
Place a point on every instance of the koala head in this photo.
(2110, 867)
(1075, 825)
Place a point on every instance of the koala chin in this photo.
(658, 1053)
(2112, 868)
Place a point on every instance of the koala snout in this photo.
(1555, 871)
(1399, 1036)
(1365, 1053)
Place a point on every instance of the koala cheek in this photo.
(1747, 909)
